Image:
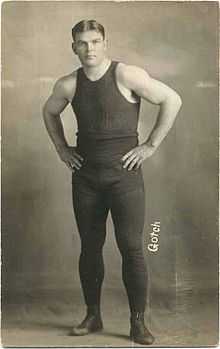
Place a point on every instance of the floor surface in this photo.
(44, 320)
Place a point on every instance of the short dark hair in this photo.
(86, 25)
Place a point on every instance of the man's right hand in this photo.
(71, 158)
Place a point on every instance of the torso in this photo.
(107, 114)
(71, 80)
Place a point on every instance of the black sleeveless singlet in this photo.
(107, 121)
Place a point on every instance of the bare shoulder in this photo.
(65, 86)
(127, 74)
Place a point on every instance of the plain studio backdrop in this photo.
(177, 43)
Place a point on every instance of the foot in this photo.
(91, 323)
(139, 332)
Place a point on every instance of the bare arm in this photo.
(52, 109)
(156, 92)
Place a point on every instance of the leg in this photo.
(91, 213)
(128, 212)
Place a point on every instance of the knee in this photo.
(90, 253)
(131, 251)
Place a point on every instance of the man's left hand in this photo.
(133, 159)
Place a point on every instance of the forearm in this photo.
(55, 130)
(165, 119)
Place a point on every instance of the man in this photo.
(106, 165)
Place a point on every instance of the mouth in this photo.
(90, 56)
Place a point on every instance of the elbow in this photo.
(175, 100)
(45, 116)
(178, 100)
(44, 112)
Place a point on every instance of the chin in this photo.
(91, 62)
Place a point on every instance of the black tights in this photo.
(95, 193)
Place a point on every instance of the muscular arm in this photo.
(138, 80)
(62, 94)
(156, 92)
(52, 109)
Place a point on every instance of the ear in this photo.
(74, 48)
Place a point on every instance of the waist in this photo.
(105, 150)
(105, 134)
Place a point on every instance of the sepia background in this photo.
(177, 43)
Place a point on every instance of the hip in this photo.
(105, 152)
(111, 176)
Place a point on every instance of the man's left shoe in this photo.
(139, 332)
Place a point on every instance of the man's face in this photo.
(90, 47)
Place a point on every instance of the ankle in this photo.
(137, 316)
(93, 310)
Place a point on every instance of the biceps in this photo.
(154, 90)
(55, 105)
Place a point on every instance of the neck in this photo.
(98, 70)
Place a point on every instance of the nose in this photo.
(90, 46)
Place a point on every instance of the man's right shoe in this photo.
(92, 323)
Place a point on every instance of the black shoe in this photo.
(139, 332)
(91, 323)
